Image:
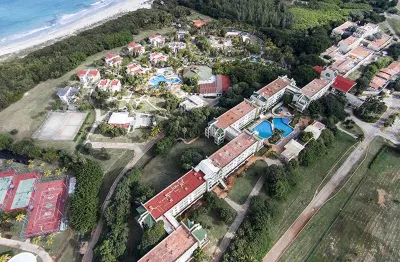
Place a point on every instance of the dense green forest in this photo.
(18, 76)
(255, 12)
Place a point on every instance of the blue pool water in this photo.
(160, 78)
(264, 129)
(282, 124)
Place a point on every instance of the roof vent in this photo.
(170, 200)
(186, 189)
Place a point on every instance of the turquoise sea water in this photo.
(21, 19)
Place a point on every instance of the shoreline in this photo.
(22, 48)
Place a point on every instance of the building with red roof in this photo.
(135, 69)
(221, 84)
(343, 84)
(89, 76)
(156, 40)
(200, 23)
(156, 58)
(113, 60)
(109, 85)
(136, 48)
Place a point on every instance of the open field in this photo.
(111, 168)
(356, 130)
(244, 184)
(161, 171)
(308, 180)
(362, 222)
(133, 137)
(395, 24)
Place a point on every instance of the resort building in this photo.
(135, 69)
(68, 94)
(366, 30)
(349, 43)
(181, 34)
(136, 48)
(202, 73)
(385, 75)
(191, 102)
(380, 43)
(109, 85)
(292, 150)
(180, 245)
(219, 86)
(271, 94)
(121, 119)
(314, 90)
(176, 46)
(200, 23)
(113, 60)
(230, 124)
(173, 200)
(156, 40)
(89, 76)
(344, 28)
(228, 158)
(245, 37)
(343, 84)
(156, 58)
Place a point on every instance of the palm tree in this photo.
(361, 137)
(46, 173)
(20, 217)
(5, 257)
(57, 172)
(36, 240)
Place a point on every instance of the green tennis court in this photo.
(4, 183)
(23, 194)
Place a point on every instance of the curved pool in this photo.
(282, 124)
(155, 80)
(264, 129)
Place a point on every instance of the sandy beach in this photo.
(88, 21)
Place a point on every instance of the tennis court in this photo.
(5, 181)
(48, 208)
(60, 126)
(21, 191)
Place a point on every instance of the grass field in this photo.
(395, 24)
(362, 222)
(309, 178)
(356, 130)
(111, 168)
(161, 171)
(244, 184)
(133, 137)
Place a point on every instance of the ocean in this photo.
(21, 19)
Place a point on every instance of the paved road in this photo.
(241, 214)
(27, 247)
(370, 131)
(139, 152)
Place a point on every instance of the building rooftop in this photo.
(203, 72)
(292, 149)
(200, 23)
(395, 65)
(349, 41)
(314, 87)
(360, 52)
(377, 82)
(275, 86)
(343, 84)
(342, 28)
(174, 193)
(232, 150)
(315, 128)
(380, 43)
(220, 85)
(119, 118)
(234, 114)
(171, 248)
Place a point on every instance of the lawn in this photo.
(355, 129)
(111, 168)
(161, 171)
(395, 23)
(362, 222)
(308, 180)
(244, 183)
(132, 137)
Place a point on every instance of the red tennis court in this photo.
(48, 208)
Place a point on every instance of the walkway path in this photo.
(371, 131)
(26, 246)
(139, 152)
(241, 214)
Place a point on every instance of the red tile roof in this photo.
(114, 82)
(109, 56)
(232, 150)
(377, 82)
(395, 65)
(200, 23)
(343, 84)
(318, 69)
(171, 248)
(174, 193)
(314, 87)
(221, 85)
(234, 114)
(274, 87)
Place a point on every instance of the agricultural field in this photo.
(362, 222)
(309, 179)
(161, 171)
(244, 183)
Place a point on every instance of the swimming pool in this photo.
(264, 129)
(282, 124)
(155, 80)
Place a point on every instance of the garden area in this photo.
(245, 181)
(361, 222)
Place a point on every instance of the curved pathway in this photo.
(27, 247)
